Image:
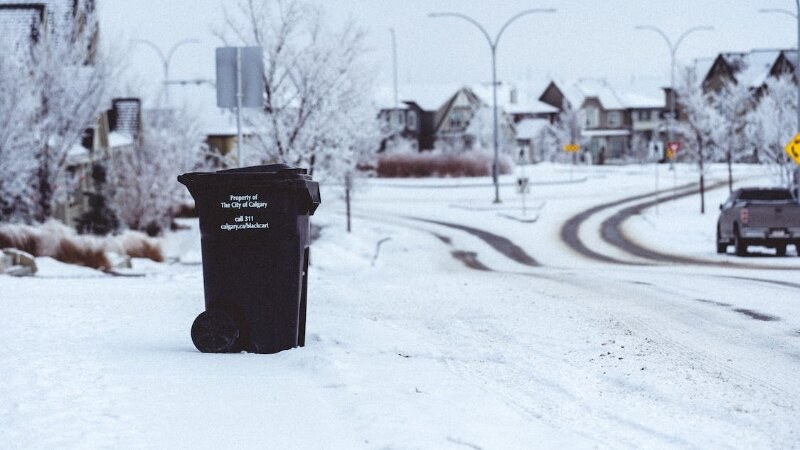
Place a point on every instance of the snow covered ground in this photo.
(409, 345)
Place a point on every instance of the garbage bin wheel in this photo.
(214, 331)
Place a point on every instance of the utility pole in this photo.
(673, 49)
(796, 181)
(493, 48)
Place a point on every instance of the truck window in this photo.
(766, 195)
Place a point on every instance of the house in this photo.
(409, 122)
(529, 114)
(614, 123)
(447, 117)
(117, 131)
(22, 23)
(26, 22)
(752, 68)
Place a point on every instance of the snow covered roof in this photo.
(601, 90)
(639, 101)
(78, 154)
(201, 101)
(605, 132)
(429, 97)
(117, 139)
(530, 128)
(638, 93)
(511, 97)
(516, 97)
(791, 56)
(702, 66)
(752, 68)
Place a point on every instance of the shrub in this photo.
(62, 243)
(435, 164)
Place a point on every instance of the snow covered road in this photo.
(411, 345)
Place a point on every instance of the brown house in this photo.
(752, 68)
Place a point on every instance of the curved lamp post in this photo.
(165, 60)
(673, 48)
(493, 46)
(797, 78)
(797, 73)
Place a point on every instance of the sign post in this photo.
(522, 180)
(240, 83)
(672, 153)
(793, 150)
(572, 148)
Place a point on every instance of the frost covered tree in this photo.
(481, 131)
(733, 102)
(316, 82)
(63, 78)
(145, 195)
(771, 124)
(567, 129)
(702, 125)
(18, 111)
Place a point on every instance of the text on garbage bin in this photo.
(244, 222)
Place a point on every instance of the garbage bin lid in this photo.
(267, 168)
(263, 173)
(279, 176)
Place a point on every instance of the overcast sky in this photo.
(584, 38)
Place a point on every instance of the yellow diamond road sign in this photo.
(793, 148)
(572, 148)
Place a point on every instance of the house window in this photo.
(398, 118)
(457, 118)
(644, 115)
(614, 119)
(412, 120)
(591, 117)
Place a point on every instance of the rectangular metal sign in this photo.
(240, 63)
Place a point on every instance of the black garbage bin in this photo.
(254, 233)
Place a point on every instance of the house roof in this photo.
(642, 93)
(753, 68)
(20, 18)
(702, 66)
(602, 90)
(432, 97)
(117, 139)
(429, 97)
(19, 23)
(605, 132)
(530, 128)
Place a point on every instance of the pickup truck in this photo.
(768, 217)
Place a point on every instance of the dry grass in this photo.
(62, 243)
(137, 245)
(430, 164)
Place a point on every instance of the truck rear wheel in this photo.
(722, 247)
(739, 243)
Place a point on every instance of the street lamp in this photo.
(673, 48)
(394, 66)
(165, 60)
(797, 79)
(493, 47)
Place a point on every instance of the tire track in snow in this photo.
(570, 229)
(469, 259)
(502, 244)
(612, 233)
